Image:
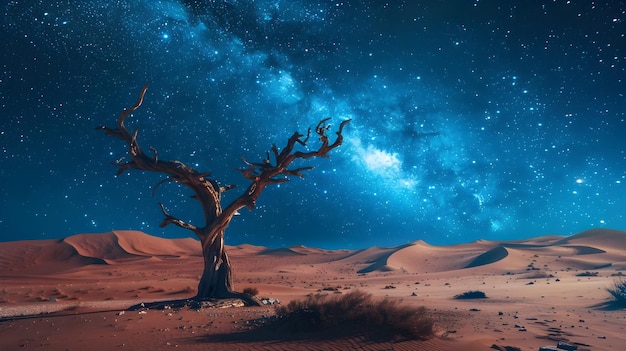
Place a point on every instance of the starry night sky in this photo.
(470, 119)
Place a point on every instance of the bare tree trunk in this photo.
(216, 278)
(216, 281)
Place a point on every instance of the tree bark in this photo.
(216, 280)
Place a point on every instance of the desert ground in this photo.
(74, 293)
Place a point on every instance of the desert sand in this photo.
(72, 293)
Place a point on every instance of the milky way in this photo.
(470, 119)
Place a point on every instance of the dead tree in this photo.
(216, 281)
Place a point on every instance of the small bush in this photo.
(588, 274)
(251, 291)
(539, 275)
(618, 291)
(474, 294)
(355, 312)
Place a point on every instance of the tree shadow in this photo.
(190, 303)
(275, 330)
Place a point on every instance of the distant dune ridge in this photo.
(41, 256)
(128, 244)
(587, 250)
(281, 252)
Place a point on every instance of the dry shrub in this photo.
(618, 291)
(538, 275)
(472, 294)
(356, 312)
(251, 291)
(588, 274)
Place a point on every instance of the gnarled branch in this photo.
(169, 219)
(208, 191)
(268, 173)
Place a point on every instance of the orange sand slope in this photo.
(55, 256)
(540, 290)
(593, 249)
(589, 250)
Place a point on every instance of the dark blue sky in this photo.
(470, 119)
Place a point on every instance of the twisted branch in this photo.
(261, 174)
(207, 191)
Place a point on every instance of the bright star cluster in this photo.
(470, 119)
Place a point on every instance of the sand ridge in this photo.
(121, 245)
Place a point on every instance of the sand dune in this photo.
(281, 252)
(599, 247)
(494, 255)
(41, 257)
(610, 240)
(539, 290)
(603, 248)
(372, 259)
(242, 250)
(71, 253)
(103, 246)
(128, 244)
